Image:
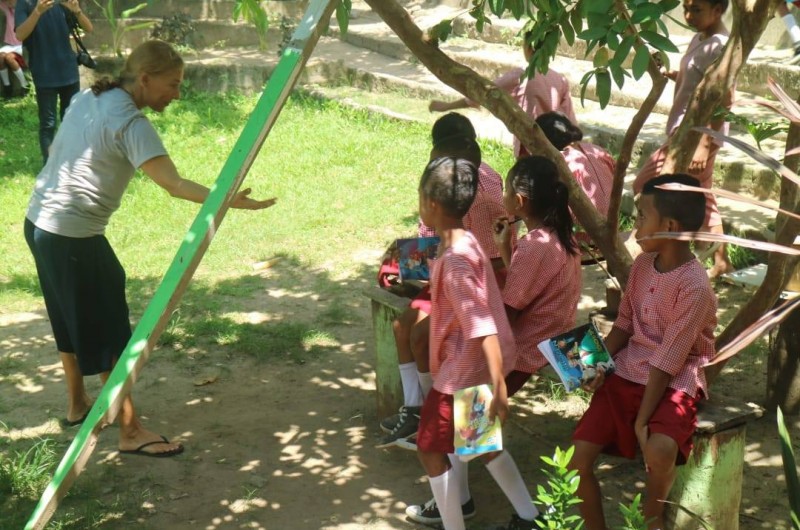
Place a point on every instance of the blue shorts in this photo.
(83, 284)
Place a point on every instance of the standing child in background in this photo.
(451, 135)
(661, 340)
(541, 291)
(539, 94)
(11, 51)
(705, 16)
(782, 10)
(592, 166)
(471, 342)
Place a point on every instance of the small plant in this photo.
(119, 23)
(177, 28)
(561, 496)
(632, 516)
(26, 474)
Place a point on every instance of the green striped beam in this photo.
(188, 257)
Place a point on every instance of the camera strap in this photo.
(72, 22)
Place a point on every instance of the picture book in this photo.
(577, 355)
(473, 433)
(413, 255)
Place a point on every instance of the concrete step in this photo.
(202, 9)
(218, 34)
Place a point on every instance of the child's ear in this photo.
(519, 201)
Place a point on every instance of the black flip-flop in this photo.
(138, 451)
(64, 422)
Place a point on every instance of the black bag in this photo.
(84, 59)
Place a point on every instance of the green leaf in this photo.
(497, 7)
(600, 57)
(623, 50)
(132, 11)
(600, 6)
(669, 5)
(603, 80)
(576, 19)
(593, 33)
(568, 32)
(342, 17)
(618, 73)
(584, 85)
(443, 29)
(517, 8)
(640, 61)
(659, 42)
(645, 12)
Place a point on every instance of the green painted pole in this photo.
(188, 257)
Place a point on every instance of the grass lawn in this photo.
(346, 185)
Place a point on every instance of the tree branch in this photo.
(521, 125)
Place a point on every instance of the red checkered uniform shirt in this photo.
(466, 307)
(544, 284)
(671, 317)
(593, 168)
(487, 207)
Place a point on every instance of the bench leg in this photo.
(387, 374)
(710, 483)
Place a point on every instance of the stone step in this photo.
(218, 34)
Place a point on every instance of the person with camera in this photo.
(44, 28)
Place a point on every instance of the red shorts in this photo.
(612, 412)
(516, 380)
(422, 301)
(435, 433)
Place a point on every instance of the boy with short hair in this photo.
(662, 338)
(470, 342)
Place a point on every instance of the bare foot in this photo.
(719, 268)
(148, 443)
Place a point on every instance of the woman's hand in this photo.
(243, 202)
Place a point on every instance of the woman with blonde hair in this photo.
(103, 139)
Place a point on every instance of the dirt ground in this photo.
(288, 443)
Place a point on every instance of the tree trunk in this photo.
(783, 368)
(484, 91)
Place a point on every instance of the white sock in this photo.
(412, 394)
(460, 472)
(505, 472)
(446, 495)
(21, 76)
(791, 27)
(425, 382)
(4, 76)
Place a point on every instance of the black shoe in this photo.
(388, 424)
(518, 523)
(407, 425)
(428, 513)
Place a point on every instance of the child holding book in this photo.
(663, 336)
(470, 341)
(705, 16)
(536, 95)
(451, 135)
(544, 271)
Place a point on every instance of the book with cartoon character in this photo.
(577, 355)
(474, 434)
(413, 255)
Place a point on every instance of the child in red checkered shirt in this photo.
(470, 342)
(660, 341)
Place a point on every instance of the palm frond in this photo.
(674, 186)
(723, 238)
(769, 320)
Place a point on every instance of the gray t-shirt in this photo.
(101, 142)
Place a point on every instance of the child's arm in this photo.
(657, 383)
(438, 105)
(494, 359)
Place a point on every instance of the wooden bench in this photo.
(709, 485)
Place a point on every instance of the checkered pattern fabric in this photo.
(466, 307)
(671, 318)
(544, 284)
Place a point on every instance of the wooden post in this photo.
(386, 307)
(710, 483)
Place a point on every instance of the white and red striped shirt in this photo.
(671, 318)
(487, 207)
(544, 284)
(593, 168)
(466, 307)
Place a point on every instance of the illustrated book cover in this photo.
(474, 434)
(577, 355)
(413, 256)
